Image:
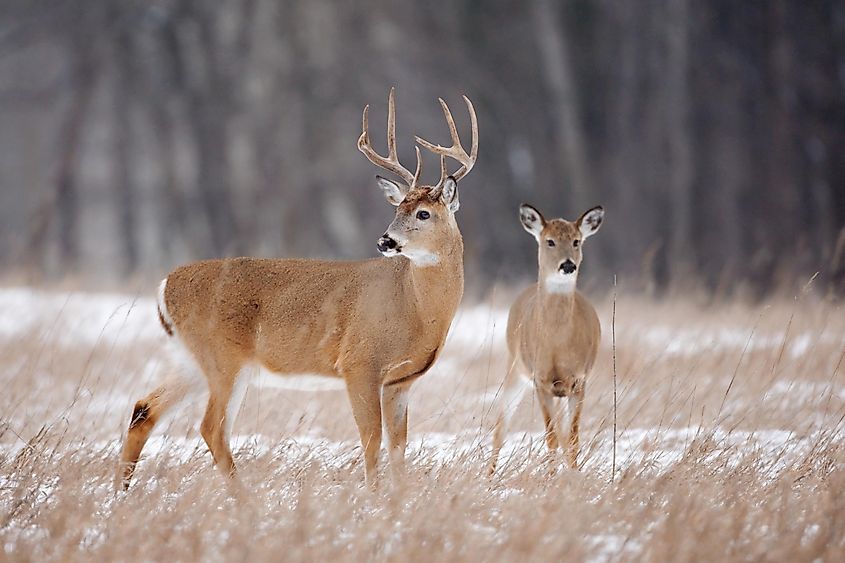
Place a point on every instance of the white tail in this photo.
(375, 324)
(553, 332)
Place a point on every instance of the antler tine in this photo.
(473, 119)
(418, 172)
(450, 121)
(456, 151)
(364, 139)
(391, 125)
(391, 162)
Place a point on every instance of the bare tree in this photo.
(712, 131)
(62, 201)
(554, 55)
(123, 159)
(678, 135)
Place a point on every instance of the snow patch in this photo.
(77, 319)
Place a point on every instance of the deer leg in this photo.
(217, 422)
(146, 414)
(394, 408)
(512, 390)
(550, 416)
(365, 398)
(575, 404)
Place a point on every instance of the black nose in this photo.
(559, 388)
(386, 243)
(568, 267)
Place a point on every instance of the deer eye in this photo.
(423, 215)
(550, 242)
(576, 243)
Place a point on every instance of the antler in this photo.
(391, 161)
(456, 151)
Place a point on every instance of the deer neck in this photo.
(438, 286)
(556, 300)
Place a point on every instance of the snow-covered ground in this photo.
(77, 319)
(86, 321)
(729, 392)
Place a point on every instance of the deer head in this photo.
(424, 223)
(560, 245)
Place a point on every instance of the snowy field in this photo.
(729, 446)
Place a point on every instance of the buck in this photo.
(553, 332)
(377, 325)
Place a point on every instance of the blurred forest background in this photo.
(139, 134)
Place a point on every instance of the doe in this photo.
(553, 332)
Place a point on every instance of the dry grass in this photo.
(730, 447)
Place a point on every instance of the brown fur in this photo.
(553, 337)
(140, 425)
(377, 324)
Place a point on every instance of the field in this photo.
(729, 446)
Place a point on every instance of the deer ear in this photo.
(532, 220)
(449, 194)
(392, 191)
(590, 221)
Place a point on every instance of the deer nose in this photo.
(386, 243)
(568, 267)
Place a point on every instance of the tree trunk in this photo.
(554, 55)
(210, 106)
(63, 202)
(632, 253)
(209, 138)
(174, 220)
(124, 154)
(679, 142)
(782, 184)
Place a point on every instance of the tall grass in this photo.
(730, 447)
